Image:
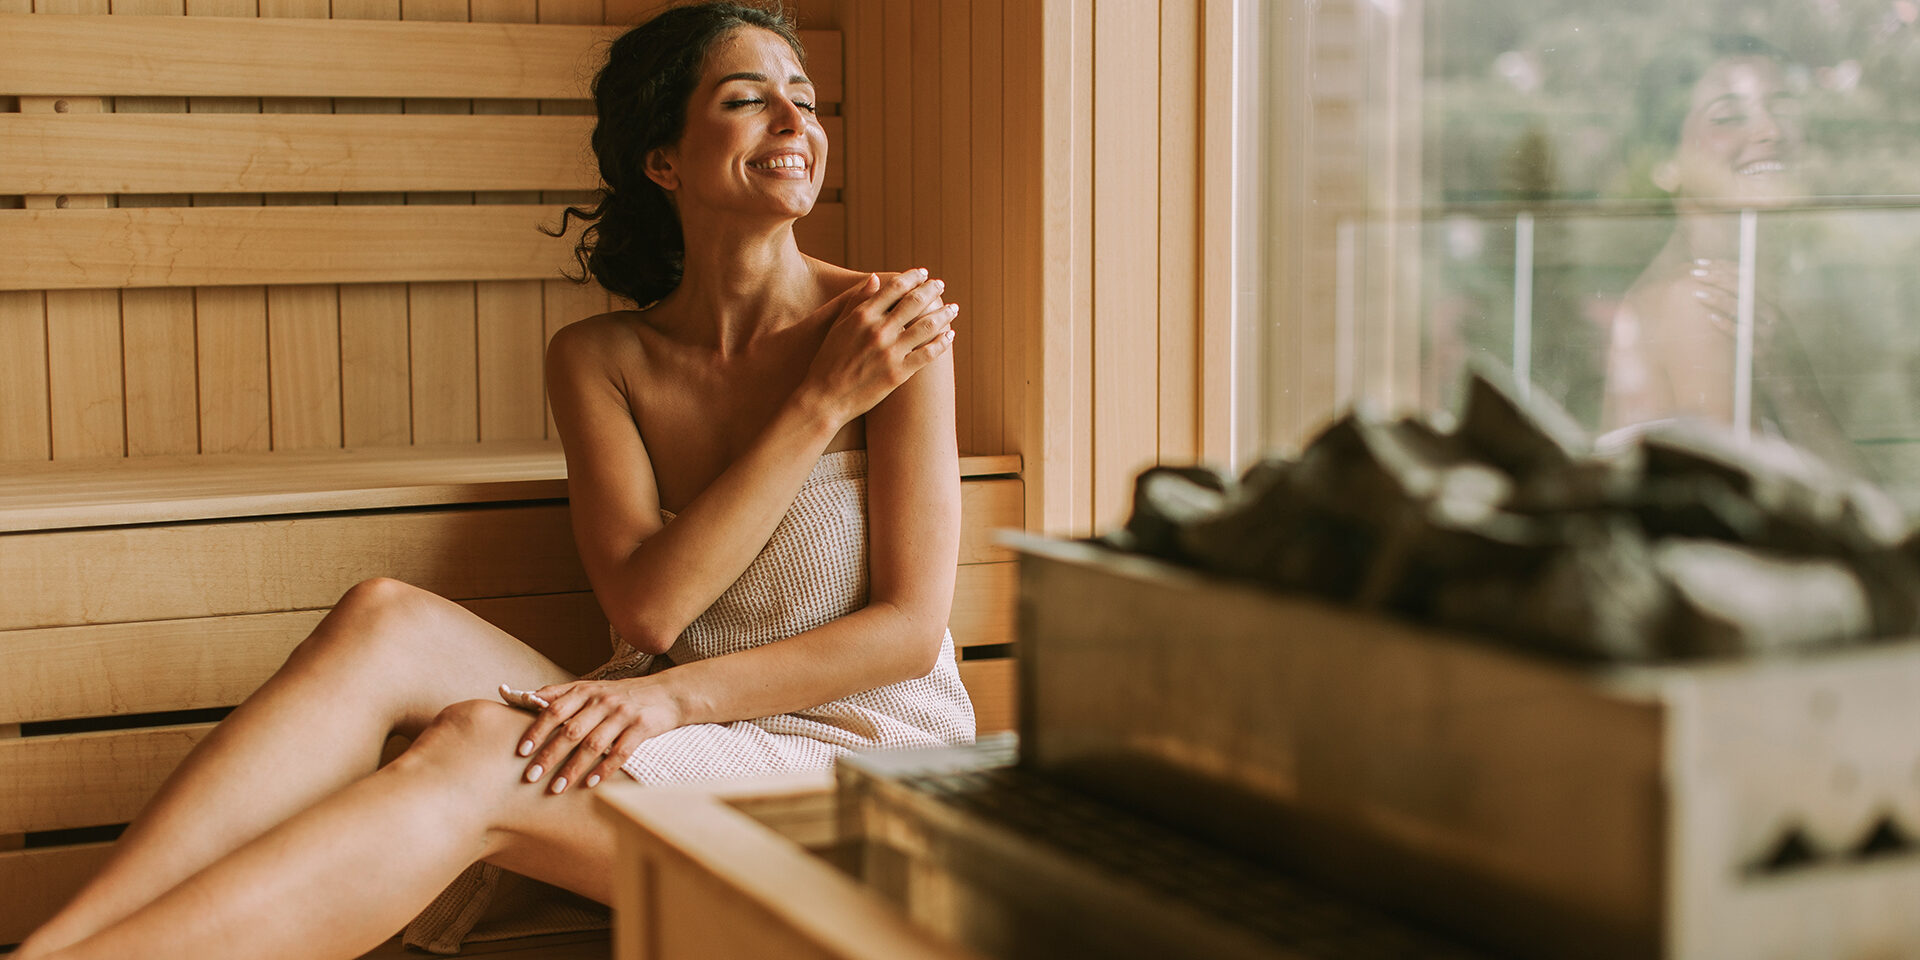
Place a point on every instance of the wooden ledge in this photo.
(65, 495)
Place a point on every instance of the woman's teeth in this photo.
(791, 161)
(1762, 166)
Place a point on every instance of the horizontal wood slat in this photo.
(87, 779)
(54, 495)
(98, 670)
(277, 152)
(330, 153)
(983, 604)
(56, 56)
(986, 507)
(56, 249)
(35, 883)
(990, 683)
(118, 575)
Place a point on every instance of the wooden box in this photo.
(1741, 810)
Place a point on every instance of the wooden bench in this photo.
(160, 592)
(272, 306)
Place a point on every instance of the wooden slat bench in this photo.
(152, 589)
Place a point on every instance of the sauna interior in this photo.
(274, 300)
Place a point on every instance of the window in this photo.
(1647, 210)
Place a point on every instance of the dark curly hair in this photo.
(633, 245)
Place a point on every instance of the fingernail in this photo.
(1700, 294)
(939, 285)
(953, 309)
(1698, 272)
(533, 773)
(526, 747)
(559, 784)
(593, 781)
(1702, 261)
(920, 272)
(949, 336)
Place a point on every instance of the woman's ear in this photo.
(660, 169)
(1666, 175)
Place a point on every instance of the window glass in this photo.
(1650, 210)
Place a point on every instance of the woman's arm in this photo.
(652, 580)
(913, 494)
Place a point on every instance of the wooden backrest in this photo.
(239, 234)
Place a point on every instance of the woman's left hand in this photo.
(590, 727)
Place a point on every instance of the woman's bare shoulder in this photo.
(608, 338)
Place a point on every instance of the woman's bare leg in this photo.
(342, 876)
(388, 658)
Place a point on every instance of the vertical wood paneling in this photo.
(508, 331)
(865, 114)
(440, 316)
(23, 351)
(923, 244)
(230, 323)
(1126, 250)
(23, 377)
(231, 346)
(898, 106)
(85, 385)
(986, 388)
(511, 342)
(954, 175)
(376, 402)
(303, 322)
(162, 415)
(1178, 440)
(303, 360)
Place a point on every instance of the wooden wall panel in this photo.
(1126, 251)
(303, 366)
(23, 377)
(1179, 255)
(230, 322)
(376, 401)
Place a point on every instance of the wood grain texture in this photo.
(24, 427)
(1126, 253)
(231, 153)
(1179, 260)
(303, 366)
(983, 604)
(230, 330)
(897, 105)
(991, 685)
(276, 57)
(511, 340)
(124, 574)
(443, 365)
(35, 883)
(162, 384)
(120, 768)
(376, 403)
(702, 879)
(85, 390)
(988, 315)
(865, 117)
(987, 506)
(197, 663)
(218, 246)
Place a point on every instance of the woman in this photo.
(1737, 142)
(774, 407)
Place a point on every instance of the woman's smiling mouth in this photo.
(784, 161)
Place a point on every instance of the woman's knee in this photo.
(469, 742)
(373, 616)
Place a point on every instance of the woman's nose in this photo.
(785, 116)
(1765, 127)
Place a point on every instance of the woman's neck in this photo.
(740, 283)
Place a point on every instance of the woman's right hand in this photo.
(884, 332)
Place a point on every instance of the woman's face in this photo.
(753, 144)
(1743, 137)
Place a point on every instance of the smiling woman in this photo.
(792, 419)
